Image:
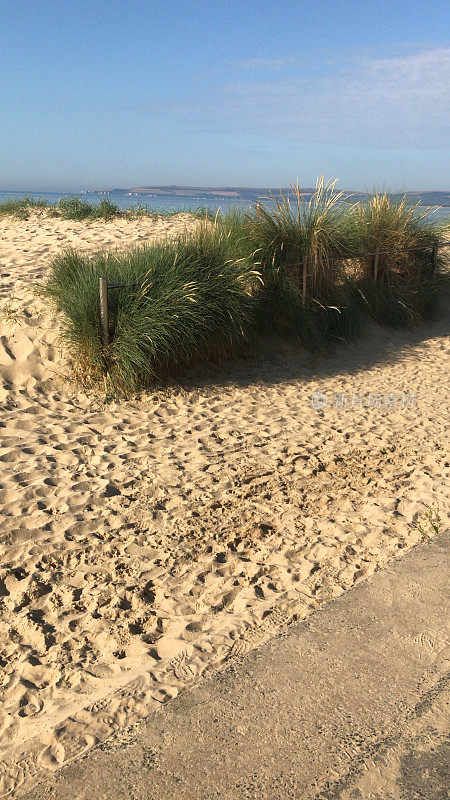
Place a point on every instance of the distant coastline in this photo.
(174, 199)
(229, 193)
(252, 194)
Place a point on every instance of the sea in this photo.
(166, 203)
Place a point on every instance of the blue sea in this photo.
(167, 203)
(152, 202)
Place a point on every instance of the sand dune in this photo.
(145, 542)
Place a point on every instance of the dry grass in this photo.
(302, 239)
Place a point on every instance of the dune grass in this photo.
(300, 269)
(321, 277)
(402, 306)
(185, 301)
(301, 240)
(387, 222)
(301, 247)
(399, 281)
(21, 207)
(144, 210)
(75, 208)
(67, 208)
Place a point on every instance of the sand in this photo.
(146, 542)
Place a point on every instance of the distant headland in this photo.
(253, 194)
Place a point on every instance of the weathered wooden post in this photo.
(305, 278)
(434, 257)
(103, 291)
(376, 261)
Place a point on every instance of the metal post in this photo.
(103, 290)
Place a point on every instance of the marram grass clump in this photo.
(185, 301)
(21, 207)
(75, 208)
(301, 239)
(67, 208)
(399, 281)
(301, 247)
(303, 269)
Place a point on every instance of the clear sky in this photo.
(121, 93)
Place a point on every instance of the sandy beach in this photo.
(146, 542)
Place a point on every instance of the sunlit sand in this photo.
(146, 541)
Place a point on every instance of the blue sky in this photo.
(233, 93)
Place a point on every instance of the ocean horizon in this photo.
(170, 202)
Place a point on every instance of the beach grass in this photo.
(21, 207)
(67, 208)
(184, 301)
(301, 248)
(302, 269)
(400, 281)
(399, 230)
(75, 208)
(403, 305)
(302, 240)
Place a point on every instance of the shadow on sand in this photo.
(275, 360)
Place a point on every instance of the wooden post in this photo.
(375, 264)
(103, 291)
(434, 257)
(305, 278)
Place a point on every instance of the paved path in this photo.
(348, 704)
